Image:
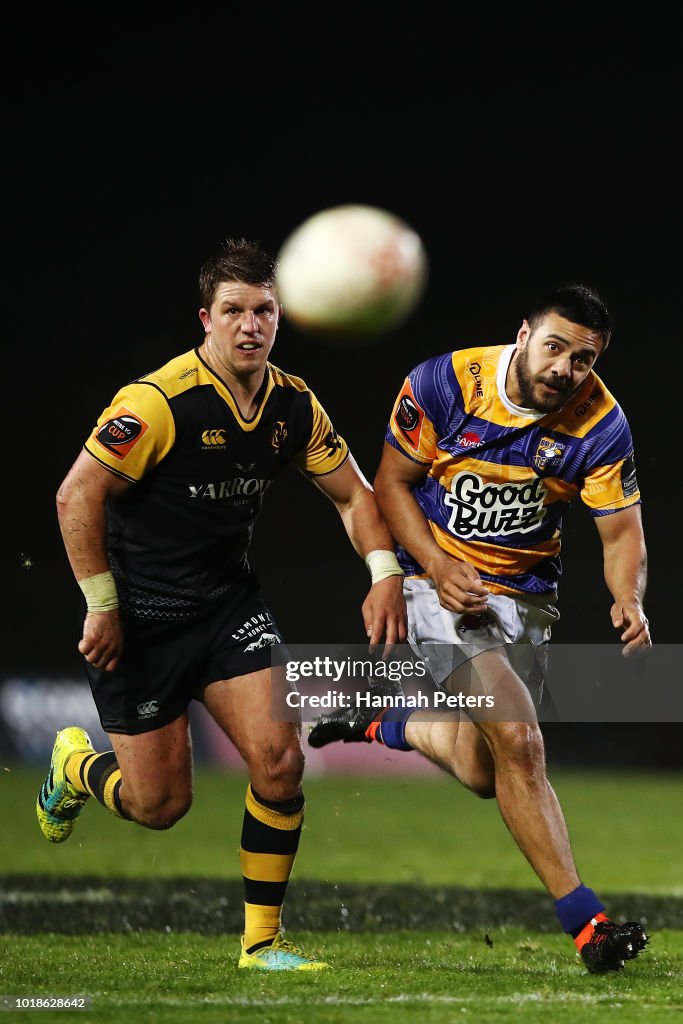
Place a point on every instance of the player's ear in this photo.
(205, 318)
(523, 334)
(279, 313)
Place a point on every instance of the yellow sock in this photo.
(76, 768)
(270, 839)
(99, 775)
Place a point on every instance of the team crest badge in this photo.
(332, 443)
(549, 454)
(279, 435)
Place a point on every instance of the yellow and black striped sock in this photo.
(270, 839)
(99, 775)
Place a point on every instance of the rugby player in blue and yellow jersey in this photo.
(484, 450)
(156, 515)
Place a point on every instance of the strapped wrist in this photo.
(100, 592)
(382, 564)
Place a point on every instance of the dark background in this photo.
(525, 155)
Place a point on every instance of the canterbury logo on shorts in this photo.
(148, 709)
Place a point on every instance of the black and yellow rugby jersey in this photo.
(499, 478)
(179, 537)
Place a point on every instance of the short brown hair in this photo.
(237, 260)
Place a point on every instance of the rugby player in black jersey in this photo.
(156, 516)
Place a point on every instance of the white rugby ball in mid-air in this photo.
(351, 272)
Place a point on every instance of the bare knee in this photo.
(519, 745)
(276, 773)
(160, 813)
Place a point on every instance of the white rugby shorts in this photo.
(445, 640)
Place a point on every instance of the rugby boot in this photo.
(280, 955)
(610, 945)
(350, 724)
(59, 803)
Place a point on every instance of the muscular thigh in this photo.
(447, 641)
(491, 691)
(155, 764)
(252, 711)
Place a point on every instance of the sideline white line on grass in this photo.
(421, 998)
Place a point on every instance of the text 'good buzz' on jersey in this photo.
(499, 478)
(179, 537)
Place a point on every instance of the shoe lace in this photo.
(289, 947)
(70, 799)
(68, 802)
(601, 931)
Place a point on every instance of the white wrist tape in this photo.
(100, 592)
(382, 564)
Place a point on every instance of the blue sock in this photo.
(391, 729)
(577, 908)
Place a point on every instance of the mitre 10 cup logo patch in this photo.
(121, 433)
(409, 417)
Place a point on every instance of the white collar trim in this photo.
(516, 410)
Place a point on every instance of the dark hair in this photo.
(237, 260)
(576, 302)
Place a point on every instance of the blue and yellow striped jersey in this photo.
(499, 478)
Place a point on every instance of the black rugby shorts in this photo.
(165, 665)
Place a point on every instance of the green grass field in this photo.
(411, 888)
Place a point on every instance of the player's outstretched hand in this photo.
(385, 616)
(630, 618)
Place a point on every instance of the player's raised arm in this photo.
(384, 611)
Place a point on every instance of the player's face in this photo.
(551, 363)
(240, 327)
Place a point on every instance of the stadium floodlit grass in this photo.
(410, 887)
(435, 977)
(626, 828)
